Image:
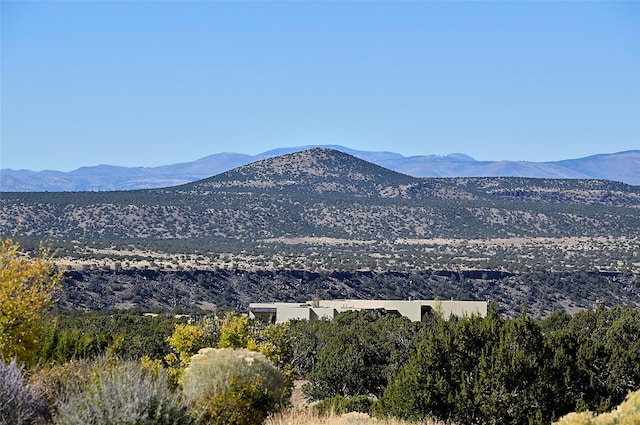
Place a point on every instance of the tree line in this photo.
(467, 370)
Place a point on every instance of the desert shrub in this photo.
(27, 291)
(296, 417)
(227, 386)
(275, 342)
(186, 340)
(338, 405)
(627, 413)
(125, 393)
(234, 332)
(55, 379)
(20, 402)
(57, 345)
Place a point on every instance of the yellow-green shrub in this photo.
(186, 340)
(27, 290)
(234, 332)
(627, 413)
(227, 386)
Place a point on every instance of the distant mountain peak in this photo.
(316, 171)
(461, 157)
(324, 162)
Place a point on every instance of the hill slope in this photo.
(324, 193)
(307, 173)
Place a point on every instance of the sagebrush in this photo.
(125, 393)
(232, 386)
(21, 403)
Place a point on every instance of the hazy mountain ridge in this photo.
(622, 166)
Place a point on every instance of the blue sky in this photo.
(150, 83)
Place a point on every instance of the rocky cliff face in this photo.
(540, 294)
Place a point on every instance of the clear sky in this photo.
(149, 83)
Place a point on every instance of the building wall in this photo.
(413, 310)
(285, 314)
(461, 308)
(318, 313)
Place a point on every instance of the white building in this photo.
(417, 311)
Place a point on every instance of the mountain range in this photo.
(321, 221)
(622, 166)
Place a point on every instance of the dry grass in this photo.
(293, 417)
(627, 413)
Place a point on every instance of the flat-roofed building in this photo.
(283, 312)
(415, 310)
